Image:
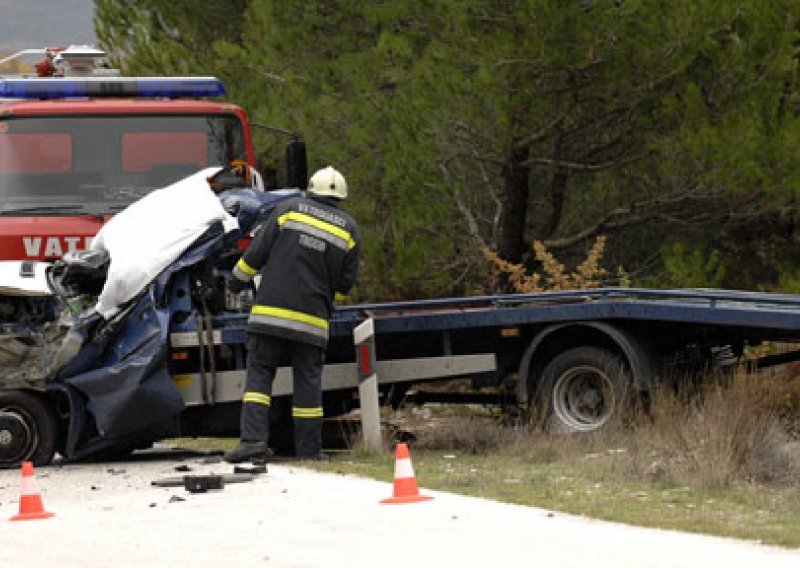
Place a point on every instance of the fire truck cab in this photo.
(79, 143)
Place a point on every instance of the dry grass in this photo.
(725, 433)
(743, 430)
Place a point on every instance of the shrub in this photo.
(587, 274)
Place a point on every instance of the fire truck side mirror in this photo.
(296, 164)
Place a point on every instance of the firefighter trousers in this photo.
(264, 354)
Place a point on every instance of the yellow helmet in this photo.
(328, 182)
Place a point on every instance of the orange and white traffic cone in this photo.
(405, 484)
(30, 501)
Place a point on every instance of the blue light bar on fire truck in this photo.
(103, 87)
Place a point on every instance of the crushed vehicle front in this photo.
(108, 372)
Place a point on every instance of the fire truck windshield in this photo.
(103, 163)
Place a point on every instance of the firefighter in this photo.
(308, 254)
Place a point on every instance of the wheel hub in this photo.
(587, 397)
(15, 437)
(581, 398)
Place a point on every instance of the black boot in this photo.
(308, 439)
(247, 451)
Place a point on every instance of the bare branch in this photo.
(582, 167)
(483, 158)
(536, 136)
(493, 194)
(595, 229)
(688, 208)
(472, 224)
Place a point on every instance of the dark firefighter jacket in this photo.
(308, 253)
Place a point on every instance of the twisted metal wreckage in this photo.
(92, 328)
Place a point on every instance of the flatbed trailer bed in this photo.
(577, 354)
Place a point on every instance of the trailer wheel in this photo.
(583, 389)
(28, 430)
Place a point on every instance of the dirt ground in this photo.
(110, 514)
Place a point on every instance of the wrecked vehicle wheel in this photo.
(27, 429)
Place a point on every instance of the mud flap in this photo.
(78, 418)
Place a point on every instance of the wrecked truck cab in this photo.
(31, 334)
(90, 378)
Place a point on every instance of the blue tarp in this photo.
(121, 370)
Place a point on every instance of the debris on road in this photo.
(202, 483)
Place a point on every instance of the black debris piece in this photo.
(181, 481)
(202, 483)
(254, 469)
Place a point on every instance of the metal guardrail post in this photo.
(364, 340)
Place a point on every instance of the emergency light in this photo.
(81, 87)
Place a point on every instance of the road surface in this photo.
(110, 515)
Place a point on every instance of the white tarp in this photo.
(151, 233)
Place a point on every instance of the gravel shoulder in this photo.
(110, 514)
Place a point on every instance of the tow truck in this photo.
(172, 361)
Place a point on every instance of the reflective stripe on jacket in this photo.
(308, 254)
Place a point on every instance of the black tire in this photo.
(583, 389)
(28, 429)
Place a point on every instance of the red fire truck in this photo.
(78, 143)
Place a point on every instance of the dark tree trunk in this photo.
(558, 189)
(511, 242)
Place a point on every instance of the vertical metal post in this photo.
(364, 340)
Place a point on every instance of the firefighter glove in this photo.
(236, 285)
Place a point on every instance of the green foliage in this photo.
(464, 125)
(790, 281)
(153, 36)
(691, 268)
